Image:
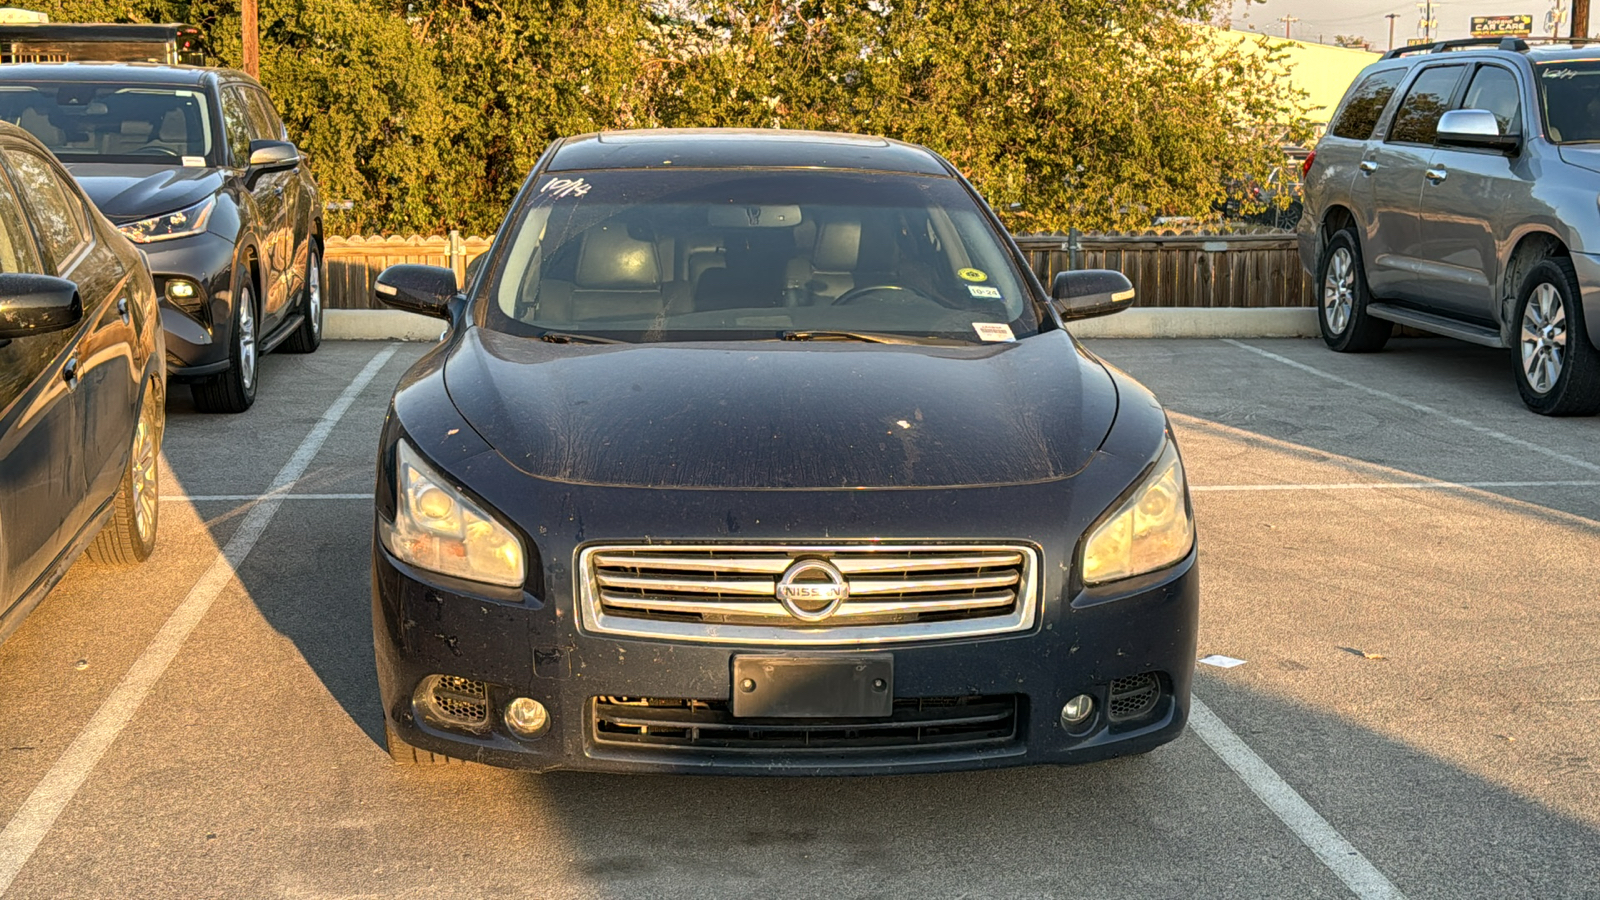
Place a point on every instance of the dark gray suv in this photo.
(1458, 191)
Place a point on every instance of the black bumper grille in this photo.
(1133, 697)
(940, 723)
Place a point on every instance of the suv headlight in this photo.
(1151, 530)
(437, 529)
(165, 227)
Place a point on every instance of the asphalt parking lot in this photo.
(1404, 557)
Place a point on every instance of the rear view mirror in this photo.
(1091, 292)
(1474, 128)
(427, 290)
(36, 304)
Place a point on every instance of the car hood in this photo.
(125, 192)
(784, 415)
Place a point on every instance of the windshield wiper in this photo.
(568, 337)
(871, 337)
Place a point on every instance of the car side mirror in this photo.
(268, 155)
(1474, 128)
(36, 304)
(1087, 293)
(427, 290)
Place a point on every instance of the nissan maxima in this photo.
(766, 452)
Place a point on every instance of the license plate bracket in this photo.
(813, 687)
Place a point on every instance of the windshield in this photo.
(113, 123)
(739, 254)
(1569, 93)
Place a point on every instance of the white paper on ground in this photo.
(1220, 661)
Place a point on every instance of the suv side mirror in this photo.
(36, 304)
(1087, 293)
(1474, 128)
(419, 289)
(268, 155)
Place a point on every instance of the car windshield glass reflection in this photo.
(742, 254)
(1570, 95)
(111, 123)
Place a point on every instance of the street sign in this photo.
(1417, 42)
(1502, 26)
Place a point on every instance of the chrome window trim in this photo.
(593, 620)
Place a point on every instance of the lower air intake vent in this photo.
(450, 700)
(940, 723)
(1133, 697)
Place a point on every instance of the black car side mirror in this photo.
(1091, 292)
(1476, 128)
(419, 289)
(36, 304)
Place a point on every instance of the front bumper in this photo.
(1587, 267)
(200, 329)
(425, 625)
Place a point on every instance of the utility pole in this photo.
(1391, 17)
(251, 36)
(1580, 18)
(1288, 22)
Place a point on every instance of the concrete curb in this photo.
(393, 325)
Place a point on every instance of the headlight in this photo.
(1151, 530)
(437, 529)
(184, 222)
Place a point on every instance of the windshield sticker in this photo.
(566, 187)
(1560, 74)
(973, 275)
(194, 162)
(993, 331)
(986, 293)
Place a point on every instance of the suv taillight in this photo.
(1305, 167)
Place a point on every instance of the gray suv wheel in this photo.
(1557, 369)
(1342, 299)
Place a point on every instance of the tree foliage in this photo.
(427, 115)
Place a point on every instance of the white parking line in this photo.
(1338, 854)
(1389, 485)
(1421, 408)
(25, 831)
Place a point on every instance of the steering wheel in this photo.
(855, 294)
(152, 151)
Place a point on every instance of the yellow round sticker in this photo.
(973, 275)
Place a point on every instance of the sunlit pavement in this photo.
(1404, 557)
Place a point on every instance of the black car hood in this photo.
(126, 192)
(784, 414)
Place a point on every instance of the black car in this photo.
(82, 383)
(195, 166)
(765, 452)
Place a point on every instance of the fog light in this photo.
(178, 289)
(1077, 711)
(527, 717)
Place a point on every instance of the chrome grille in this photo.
(728, 593)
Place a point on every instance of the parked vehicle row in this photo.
(156, 226)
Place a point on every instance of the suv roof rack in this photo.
(1509, 44)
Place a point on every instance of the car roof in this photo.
(717, 148)
(117, 73)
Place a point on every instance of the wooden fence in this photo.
(1240, 270)
(1236, 270)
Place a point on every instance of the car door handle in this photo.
(1368, 166)
(69, 373)
(122, 310)
(1437, 174)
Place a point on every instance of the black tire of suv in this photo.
(308, 337)
(404, 754)
(1362, 333)
(232, 391)
(1576, 391)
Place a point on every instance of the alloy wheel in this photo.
(247, 342)
(314, 295)
(1339, 290)
(1544, 338)
(145, 471)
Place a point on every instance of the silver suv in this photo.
(1458, 191)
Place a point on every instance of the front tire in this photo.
(1343, 298)
(234, 391)
(308, 337)
(130, 536)
(1557, 369)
